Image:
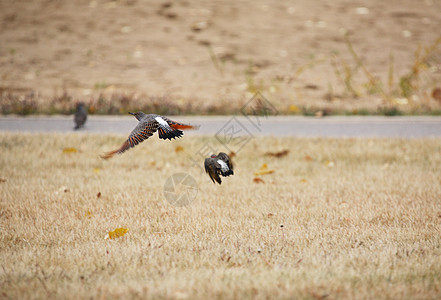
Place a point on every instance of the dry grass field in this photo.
(338, 218)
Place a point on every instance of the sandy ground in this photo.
(213, 52)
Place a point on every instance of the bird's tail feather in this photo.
(109, 154)
(183, 126)
(123, 148)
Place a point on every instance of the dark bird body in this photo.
(218, 165)
(147, 126)
(80, 116)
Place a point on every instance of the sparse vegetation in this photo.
(115, 103)
(408, 95)
(408, 86)
(210, 58)
(335, 218)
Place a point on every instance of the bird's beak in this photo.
(132, 113)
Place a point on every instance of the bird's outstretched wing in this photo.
(223, 156)
(142, 131)
(212, 168)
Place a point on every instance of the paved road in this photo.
(335, 126)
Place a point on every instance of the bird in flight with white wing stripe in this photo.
(147, 126)
(217, 165)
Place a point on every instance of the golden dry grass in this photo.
(361, 219)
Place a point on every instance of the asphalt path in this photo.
(295, 126)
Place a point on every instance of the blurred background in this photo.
(210, 57)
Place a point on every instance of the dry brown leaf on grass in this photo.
(119, 232)
(258, 180)
(294, 108)
(319, 296)
(436, 94)
(308, 158)
(70, 150)
(98, 195)
(278, 154)
(2, 180)
(263, 170)
(179, 149)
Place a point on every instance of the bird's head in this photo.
(213, 156)
(138, 115)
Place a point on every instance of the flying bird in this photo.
(80, 116)
(217, 165)
(148, 124)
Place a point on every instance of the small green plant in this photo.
(374, 85)
(408, 84)
(347, 78)
(100, 85)
(411, 82)
(252, 86)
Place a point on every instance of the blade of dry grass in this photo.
(361, 219)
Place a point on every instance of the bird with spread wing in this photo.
(147, 126)
(216, 165)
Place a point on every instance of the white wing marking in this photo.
(162, 122)
(224, 166)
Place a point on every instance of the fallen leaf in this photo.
(179, 149)
(119, 232)
(303, 180)
(436, 94)
(88, 214)
(98, 195)
(96, 170)
(270, 215)
(232, 154)
(293, 108)
(319, 296)
(92, 109)
(258, 180)
(278, 154)
(308, 158)
(2, 180)
(263, 170)
(70, 150)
